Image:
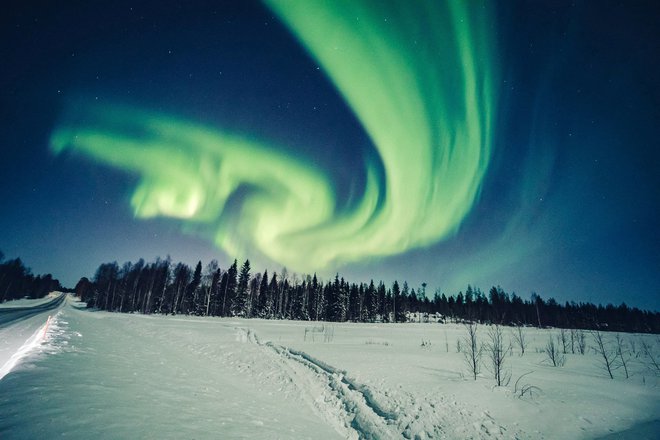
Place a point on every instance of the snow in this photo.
(22, 328)
(13, 357)
(27, 302)
(110, 375)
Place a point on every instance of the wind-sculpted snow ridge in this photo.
(59, 337)
(37, 343)
(356, 410)
(29, 330)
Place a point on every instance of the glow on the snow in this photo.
(419, 79)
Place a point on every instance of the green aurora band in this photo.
(419, 79)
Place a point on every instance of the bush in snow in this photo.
(651, 361)
(496, 350)
(522, 389)
(607, 356)
(473, 351)
(622, 353)
(519, 339)
(553, 353)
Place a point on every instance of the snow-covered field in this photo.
(108, 375)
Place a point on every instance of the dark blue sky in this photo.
(568, 207)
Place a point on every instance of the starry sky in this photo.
(505, 143)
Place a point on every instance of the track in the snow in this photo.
(365, 416)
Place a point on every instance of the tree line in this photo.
(167, 288)
(17, 281)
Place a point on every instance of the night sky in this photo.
(512, 143)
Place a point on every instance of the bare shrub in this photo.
(553, 354)
(522, 389)
(649, 358)
(373, 342)
(622, 353)
(563, 338)
(606, 355)
(328, 332)
(573, 335)
(581, 340)
(496, 350)
(519, 338)
(473, 351)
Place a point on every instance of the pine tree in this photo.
(396, 301)
(281, 293)
(337, 300)
(188, 303)
(228, 288)
(262, 309)
(240, 302)
(307, 298)
(319, 299)
(273, 289)
(370, 303)
(382, 302)
(354, 302)
(215, 293)
(297, 293)
(469, 303)
(343, 301)
(362, 302)
(253, 295)
(285, 295)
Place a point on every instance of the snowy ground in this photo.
(23, 326)
(26, 302)
(107, 375)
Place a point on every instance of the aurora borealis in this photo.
(429, 118)
(444, 143)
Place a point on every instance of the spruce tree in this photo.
(262, 303)
(229, 288)
(214, 295)
(191, 291)
(273, 289)
(319, 300)
(382, 302)
(396, 299)
(240, 302)
(370, 303)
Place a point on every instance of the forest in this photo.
(17, 281)
(167, 288)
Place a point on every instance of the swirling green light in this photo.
(419, 78)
